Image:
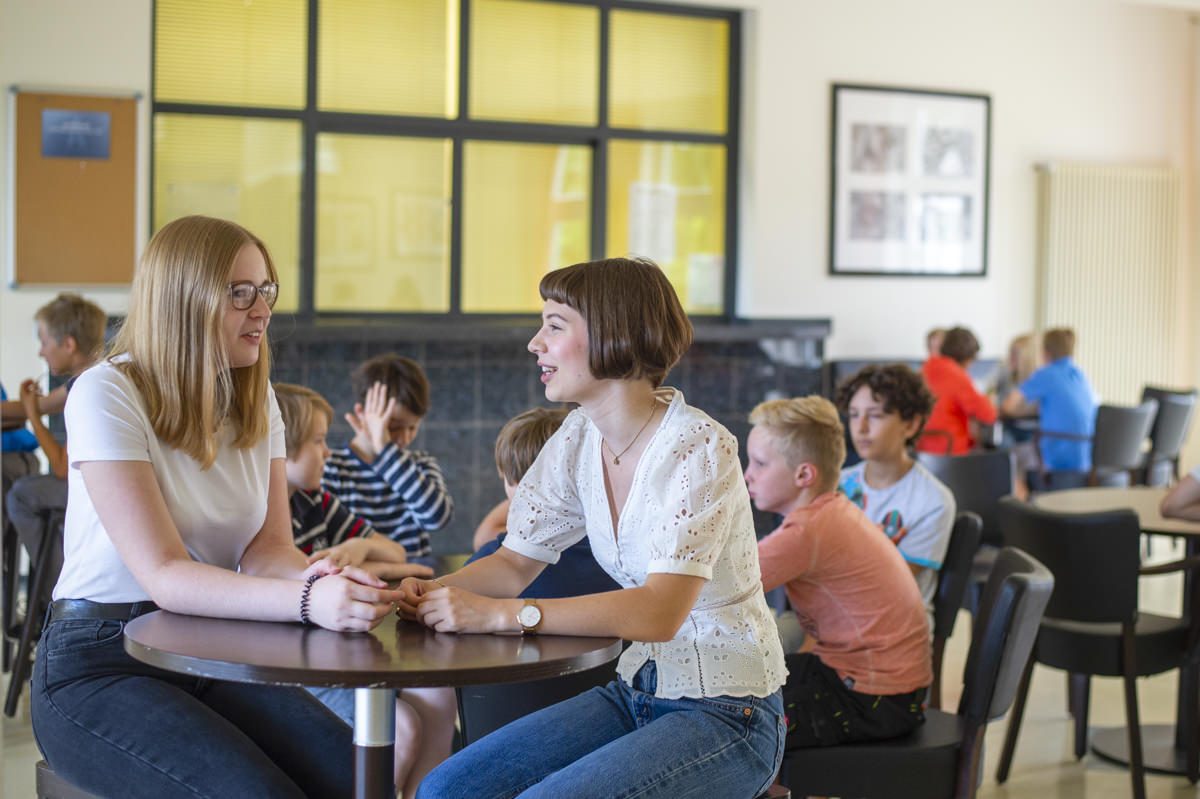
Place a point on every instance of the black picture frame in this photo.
(910, 175)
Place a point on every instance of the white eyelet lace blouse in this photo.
(688, 512)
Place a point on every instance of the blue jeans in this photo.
(117, 727)
(618, 742)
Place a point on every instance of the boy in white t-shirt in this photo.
(886, 407)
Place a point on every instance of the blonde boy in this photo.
(865, 675)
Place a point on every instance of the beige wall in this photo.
(1091, 80)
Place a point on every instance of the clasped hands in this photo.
(449, 609)
(348, 598)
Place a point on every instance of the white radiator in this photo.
(1110, 266)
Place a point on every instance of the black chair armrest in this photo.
(1186, 564)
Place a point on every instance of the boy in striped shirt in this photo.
(400, 492)
(321, 525)
(424, 725)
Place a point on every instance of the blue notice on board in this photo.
(76, 134)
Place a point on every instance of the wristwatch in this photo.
(529, 617)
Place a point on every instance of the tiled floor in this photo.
(1044, 765)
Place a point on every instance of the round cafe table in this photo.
(396, 654)
(1163, 744)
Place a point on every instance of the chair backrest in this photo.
(1171, 424)
(977, 480)
(955, 574)
(485, 708)
(1120, 434)
(1094, 558)
(1010, 613)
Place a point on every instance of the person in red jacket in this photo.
(958, 402)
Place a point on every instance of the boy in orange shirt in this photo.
(959, 404)
(867, 662)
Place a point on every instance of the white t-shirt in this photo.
(926, 508)
(688, 512)
(217, 511)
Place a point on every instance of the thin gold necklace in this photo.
(617, 455)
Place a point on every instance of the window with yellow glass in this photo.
(383, 224)
(666, 201)
(388, 57)
(247, 170)
(668, 72)
(534, 62)
(526, 211)
(231, 52)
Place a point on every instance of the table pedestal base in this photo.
(1158, 748)
(374, 743)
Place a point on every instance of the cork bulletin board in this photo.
(74, 196)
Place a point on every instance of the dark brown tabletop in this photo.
(396, 654)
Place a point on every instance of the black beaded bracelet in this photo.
(308, 584)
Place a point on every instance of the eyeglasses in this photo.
(244, 293)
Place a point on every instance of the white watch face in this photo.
(529, 616)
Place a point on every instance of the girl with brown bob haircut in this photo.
(178, 500)
(656, 487)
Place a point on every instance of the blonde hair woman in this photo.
(178, 499)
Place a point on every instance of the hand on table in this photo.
(393, 571)
(448, 609)
(349, 599)
(354, 552)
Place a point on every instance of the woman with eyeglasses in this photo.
(177, 499)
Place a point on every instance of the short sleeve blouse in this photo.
(217, 510)
(688, 512)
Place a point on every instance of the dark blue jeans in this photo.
(117, 727)
(620, 742)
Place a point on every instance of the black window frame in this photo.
(462, 128)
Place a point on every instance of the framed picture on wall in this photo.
(908, 182)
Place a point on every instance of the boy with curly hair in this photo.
(886, 407)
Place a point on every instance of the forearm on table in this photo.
(504, 573)
(198, 589)
(1183, 501)
(634, 614)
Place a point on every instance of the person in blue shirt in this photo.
(517, 446)
(1065, 402)
(17, 445)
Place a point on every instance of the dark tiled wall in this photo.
(477, 385)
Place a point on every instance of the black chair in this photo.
(953, 579)
(1092, 625)
(1117, 448)
(10, 629)
(977, 480)
(485, 708)
(43, 574)
(941, 759)
(1167, 436)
